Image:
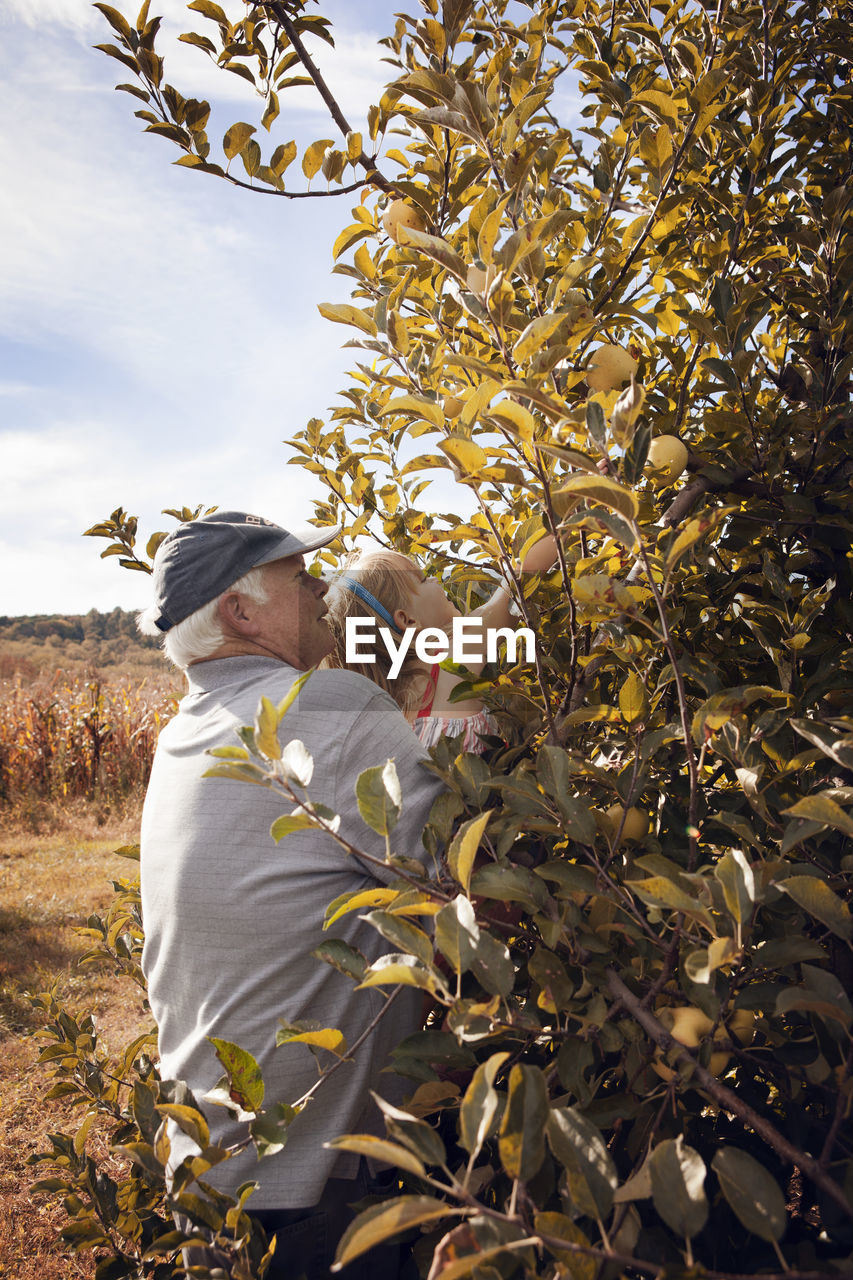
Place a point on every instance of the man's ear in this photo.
(236, 614)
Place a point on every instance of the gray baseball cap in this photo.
(200, 559)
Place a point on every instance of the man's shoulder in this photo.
(327, 689)
(344, 690)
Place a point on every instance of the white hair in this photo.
(200, 635)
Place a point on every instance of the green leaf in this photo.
(735, 875)
(379, 797)
(492, 965)
(590, 1170)
(822, 809)
(521, 1141)
(288, 823)
(478, 1114)
(246, 1085)
(752, 1193)
(549, 973)
(660, 891)
(413, 1133)
(509, 884)
(678, 1175)
(816, 897)
(344, 313)
(270, 1129)
(552, 771)
(383, 1221)
(402, 934)
(463, 849)
(456, 933)
(343, 957)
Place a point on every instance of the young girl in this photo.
(391, 590)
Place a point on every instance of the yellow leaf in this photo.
(367, 900)
(606, 491)
(313, 158)
(657, 104)
(463, 849)
(349, 235)
(633, 700)
(520, 421)
(343, 313)
(536, 334)
(467, 455)
(327, 1038)
(477, 401)
(417, 406)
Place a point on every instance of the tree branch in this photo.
(326, 94)
(727, 1099)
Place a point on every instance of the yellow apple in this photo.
(480, 279)
(609, 366)
(399, 214)
(453, 405)
(666, 461)
(636, 826)
(689, 1026)
(742, 1025)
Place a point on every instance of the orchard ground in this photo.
(51, 883)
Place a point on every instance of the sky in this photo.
(159, 332)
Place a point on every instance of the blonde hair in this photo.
(383, 574)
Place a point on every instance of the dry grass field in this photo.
(48, 885)
(75, 747)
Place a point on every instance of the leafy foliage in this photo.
(642, 934)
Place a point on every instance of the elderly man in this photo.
(231, 919)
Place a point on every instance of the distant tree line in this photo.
(116, 624)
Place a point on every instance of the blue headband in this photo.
(370, 600)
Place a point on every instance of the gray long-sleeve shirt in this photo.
(231, 918)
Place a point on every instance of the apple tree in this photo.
(601, 259)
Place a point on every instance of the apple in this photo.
(609, 366)
(635, 828)
(689, 1026)
(666, 461)
(480, 279)
(453, 405)
(742, 1026)
(400, 214)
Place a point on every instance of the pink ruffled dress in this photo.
(430, 729)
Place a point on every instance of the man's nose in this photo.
(321, 586)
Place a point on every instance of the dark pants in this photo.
(306, 1239)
